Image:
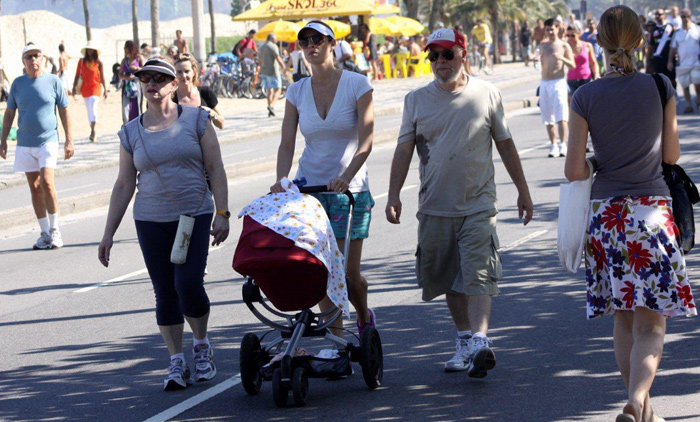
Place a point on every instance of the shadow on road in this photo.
(553, 364)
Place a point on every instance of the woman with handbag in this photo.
(167, 149)
(131, 63)
(634, 267)
(90, 80)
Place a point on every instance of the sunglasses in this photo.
(448, 55)
(570, 36)
(312, 40)
(158, 78)
(685, 17)
(31, 56)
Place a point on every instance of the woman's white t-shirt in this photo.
(331, 143)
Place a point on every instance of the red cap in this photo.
(446, 38)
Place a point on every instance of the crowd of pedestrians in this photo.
(591, 88)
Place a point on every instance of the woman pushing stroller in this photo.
(335, 113)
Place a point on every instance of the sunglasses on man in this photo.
(446, 54)
(311, 40)
(31, 56)
(158, 78)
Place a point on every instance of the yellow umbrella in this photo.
(386, 9)
(285, 31)
(301, 9)
(340, 29)
(407, 26)
(382, 27)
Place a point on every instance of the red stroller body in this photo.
(291, 277)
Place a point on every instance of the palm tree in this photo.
(155, 29)
(213, 26)
(135, 21)
(87, 20)
(435, 13)
(412, 8)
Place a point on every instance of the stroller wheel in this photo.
(371, 358)
(250, 364)
(300, 387)
(280, 392)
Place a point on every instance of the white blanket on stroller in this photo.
(301, 218)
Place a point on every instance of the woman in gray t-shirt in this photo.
(164, 153)
(634, 267)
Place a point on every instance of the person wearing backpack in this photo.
(635, 269)
(247, 42)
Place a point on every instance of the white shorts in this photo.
(66, 80)
(554, 101)
(688, 75)
(91, 106)
(33, 159)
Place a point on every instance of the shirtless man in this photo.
(555, 54)
(63, 68)
(180, 43)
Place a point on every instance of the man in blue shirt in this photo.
(37, 95)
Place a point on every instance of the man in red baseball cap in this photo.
(452, 123)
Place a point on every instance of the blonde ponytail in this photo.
(620, 33)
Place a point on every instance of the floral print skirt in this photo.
(633, 259)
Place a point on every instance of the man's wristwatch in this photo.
(226, 213)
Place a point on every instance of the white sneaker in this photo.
(56, 239)
(554, 150)
(204, 368)
(562, 150)
(178, 376)
(481, 357)
(459, 361)
(43, 242)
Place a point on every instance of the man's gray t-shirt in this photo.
(453, 133)
(268, 62)
(625, 119)
(177, 154)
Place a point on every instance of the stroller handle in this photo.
(324, 189)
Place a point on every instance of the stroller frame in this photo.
(293, 373)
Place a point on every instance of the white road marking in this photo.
(525, 151)
(76, 188)
(114, 280)
(194, 401)
(382, 195)
(523, 240)
(127, 276)
(233, 154)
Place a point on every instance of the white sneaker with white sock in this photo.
(554, 150)
(481, 357)
(562, 149)
(459, 361)
(56, 239)
(44, 241)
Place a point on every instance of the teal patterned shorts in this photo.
(337, 207)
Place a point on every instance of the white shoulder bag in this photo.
(574, 204)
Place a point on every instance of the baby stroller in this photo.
(294, 280)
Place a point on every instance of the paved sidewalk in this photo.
(247, 119)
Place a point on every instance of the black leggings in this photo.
(179, 288)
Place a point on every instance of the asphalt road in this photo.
(80, 342)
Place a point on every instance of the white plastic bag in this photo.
(574, 203)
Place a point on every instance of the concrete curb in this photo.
(80, 203)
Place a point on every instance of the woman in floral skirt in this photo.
(634, 267)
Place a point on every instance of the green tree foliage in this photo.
(236, 8)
